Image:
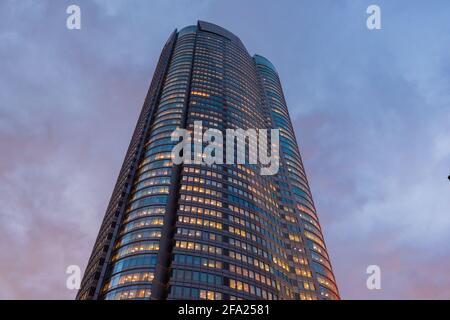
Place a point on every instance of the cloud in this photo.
(375, 140)
(370, 110)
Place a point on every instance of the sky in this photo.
(371, 110)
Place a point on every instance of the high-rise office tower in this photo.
(220, 231)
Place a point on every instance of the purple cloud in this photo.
(370, 109)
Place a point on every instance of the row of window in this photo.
(196, 276)
(178, 292)
(141, 247)
(128, 278)
(144, 212)
(129, 293)
(251, 289)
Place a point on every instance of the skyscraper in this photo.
(219, 231)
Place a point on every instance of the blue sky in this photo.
(371, 111)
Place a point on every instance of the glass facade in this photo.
(220, 231)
